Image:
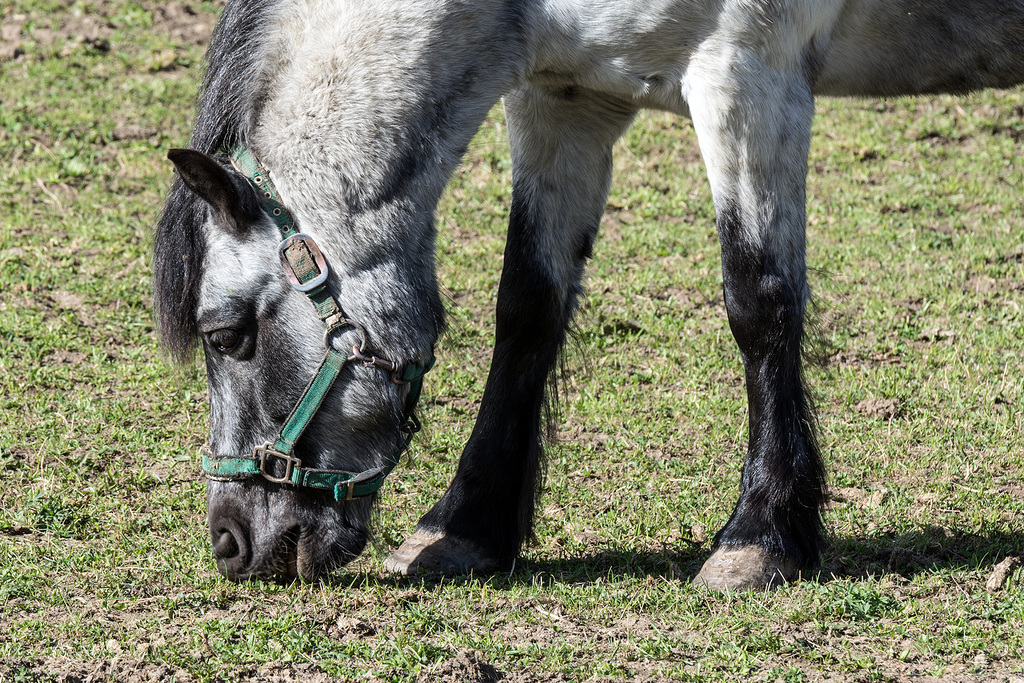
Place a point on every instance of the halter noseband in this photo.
(306, 269)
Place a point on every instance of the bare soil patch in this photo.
(881, 408)
(184, 23)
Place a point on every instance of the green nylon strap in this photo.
(415, 371)
(229, 468)
(345, 485)
(248, 165)
(326, 307)
(299, 258)
(310, 401)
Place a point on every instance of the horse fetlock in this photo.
(435, 552)
(746, 568)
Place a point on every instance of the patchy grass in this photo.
(916, 238)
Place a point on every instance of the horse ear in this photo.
(205, 176)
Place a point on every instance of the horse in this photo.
(296, 245)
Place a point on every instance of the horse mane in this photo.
(228, 103)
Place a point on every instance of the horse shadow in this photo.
(922, 550)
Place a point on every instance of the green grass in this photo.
(916, 241)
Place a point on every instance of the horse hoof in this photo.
(433, 552)
(745, 568)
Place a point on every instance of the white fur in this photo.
(237, 269)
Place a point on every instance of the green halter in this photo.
(306, 269)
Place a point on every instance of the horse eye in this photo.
(224, 339)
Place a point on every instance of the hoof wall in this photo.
(433, 552)
(745, 568)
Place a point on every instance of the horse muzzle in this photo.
(264, 542)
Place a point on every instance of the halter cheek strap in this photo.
(306, 268)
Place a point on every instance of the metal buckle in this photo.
(291, 462)
(314, 251)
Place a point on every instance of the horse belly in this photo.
(909, 47)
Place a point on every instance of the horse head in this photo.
(305, 421)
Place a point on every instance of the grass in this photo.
(916, 238)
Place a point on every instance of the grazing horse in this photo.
(297, 243)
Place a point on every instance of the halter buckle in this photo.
(266, 451)
(299, 255)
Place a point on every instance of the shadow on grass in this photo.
(668, 563)
(927, 549)
(673, 564)
(924, 550)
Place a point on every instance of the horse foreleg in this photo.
(753, 124)
(561, 148)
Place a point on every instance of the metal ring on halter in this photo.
(342, 323)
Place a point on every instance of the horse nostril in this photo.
(224, 544)
(231, 547)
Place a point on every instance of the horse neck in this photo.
(367, 109)
(368, 94)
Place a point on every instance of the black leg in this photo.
(561, 147)
(753, 121)
(491, 499)
(783, 482)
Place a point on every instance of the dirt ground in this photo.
(466, 667)
(181, 21)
